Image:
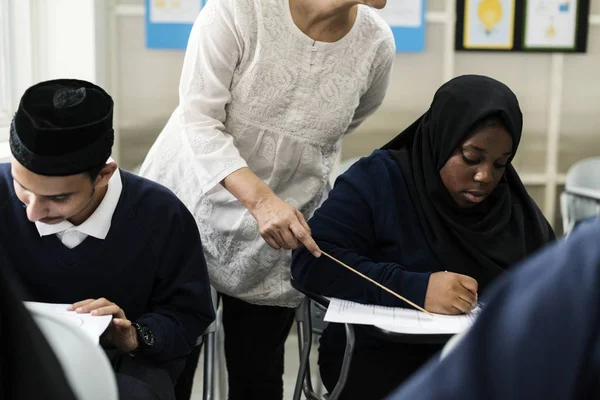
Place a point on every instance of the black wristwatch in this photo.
(145, 336)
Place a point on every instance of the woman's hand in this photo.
(282, 226)
(450, 293)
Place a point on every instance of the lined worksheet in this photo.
(401, 320)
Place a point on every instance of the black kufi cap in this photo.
(63, 127)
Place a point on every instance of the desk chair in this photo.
(581, 199)
(84, 363)
(309, 320)
(183, 388)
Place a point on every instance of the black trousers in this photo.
(185, 383)
(374, 372)
(254, 348)
(142, 379)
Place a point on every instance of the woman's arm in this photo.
(214, 50)
(345, 227)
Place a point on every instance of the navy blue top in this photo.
(151, 263)
(538, 336)
(368, 222)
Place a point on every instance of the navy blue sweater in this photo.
(369, 223)
(151, 263)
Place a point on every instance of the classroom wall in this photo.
(148, 86)
(48, 39)
(148, 79)
(103, 40)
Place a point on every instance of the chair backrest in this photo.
(212, 328)
(581, 199)
(583, 178)
(85, 364)
(317, 318)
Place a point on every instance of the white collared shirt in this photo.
(97, 225)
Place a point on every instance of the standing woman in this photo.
(268, 89)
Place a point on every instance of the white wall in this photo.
(68, 43)
(4, 152)
(55, 39)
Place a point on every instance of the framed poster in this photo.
(169, 22)
(489, 24)
(551, 24)
(522, 25)
(407, 20)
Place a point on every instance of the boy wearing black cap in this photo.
(78, 230)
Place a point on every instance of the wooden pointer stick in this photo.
(377, 284)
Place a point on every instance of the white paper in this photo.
(403, 13)
(174, 11)
(93, 326)
(551, 23)
(400, 320)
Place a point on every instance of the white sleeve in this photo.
(373, 97)
(213, 51)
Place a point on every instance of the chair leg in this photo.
(308, 341)
(210, 345)
(220, 364)
(319, 386)
(302, 367)
(341, 383)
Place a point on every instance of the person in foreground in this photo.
(29, 369)
(436, 216)
(538, 336)
(80, 231)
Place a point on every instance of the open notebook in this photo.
(92, 325)
(399, 320)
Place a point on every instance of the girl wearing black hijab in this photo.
(435, 215)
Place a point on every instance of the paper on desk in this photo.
(400, 320)
(92, 325)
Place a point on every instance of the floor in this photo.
(289, 378)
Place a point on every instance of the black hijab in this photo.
(507, 226)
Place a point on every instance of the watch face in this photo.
(146, 335)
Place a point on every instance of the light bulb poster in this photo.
(522, 25)
(489, 24)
